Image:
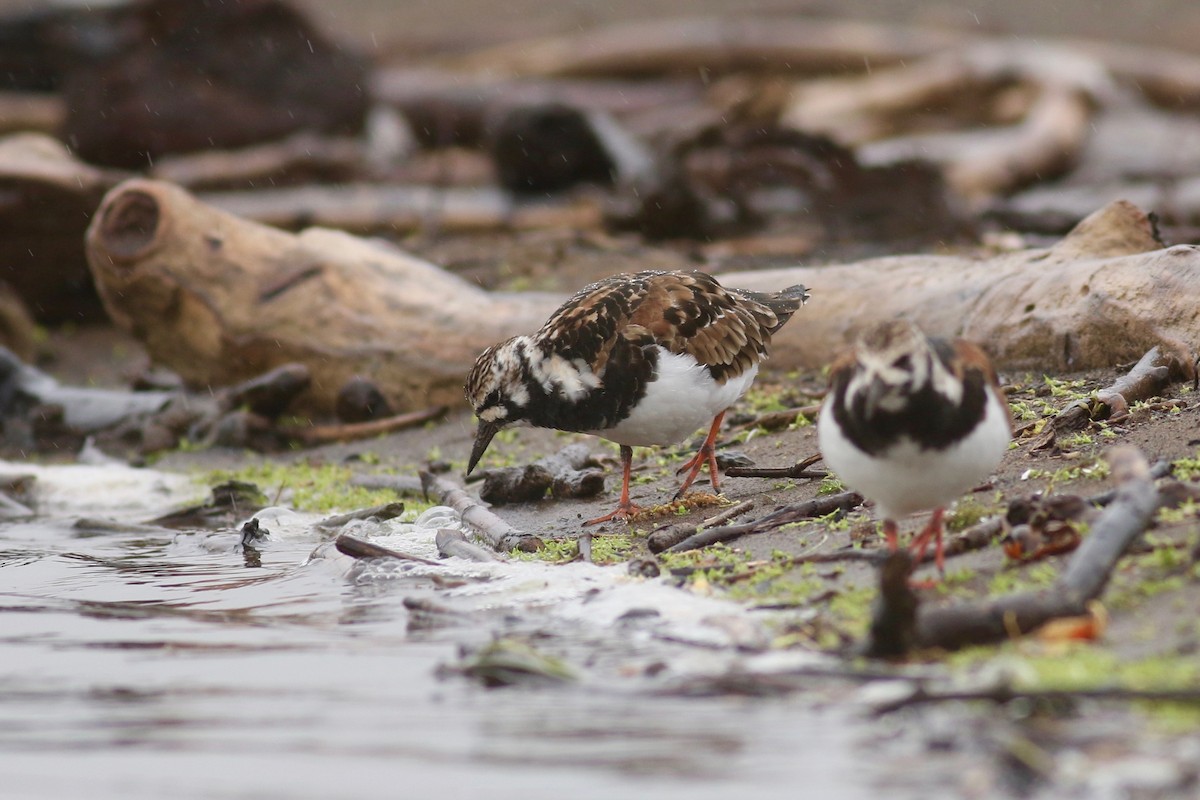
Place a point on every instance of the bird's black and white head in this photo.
(497, 389)
(894, 363)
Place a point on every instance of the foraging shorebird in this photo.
(912, 423)
(639, 359)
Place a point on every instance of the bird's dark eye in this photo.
(904, 362)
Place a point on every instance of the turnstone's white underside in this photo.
(682, 398)
(905, 478)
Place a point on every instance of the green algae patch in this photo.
(319, 488)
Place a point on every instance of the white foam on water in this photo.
(114, 490)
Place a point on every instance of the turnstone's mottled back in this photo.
(639, 359)
(912, 422)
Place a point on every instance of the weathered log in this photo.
(219, 300)
(1064, 87)
(48, 198)
(1103, 295)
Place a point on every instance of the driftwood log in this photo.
(46, 199)
(219, 300)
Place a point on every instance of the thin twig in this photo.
(816, 507)
(670, 535)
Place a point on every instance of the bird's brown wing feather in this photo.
(684, 312)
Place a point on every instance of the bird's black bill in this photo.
(483, 437)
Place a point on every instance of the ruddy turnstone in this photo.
(912, 423)
(639, 359)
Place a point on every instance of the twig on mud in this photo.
(326, 434)
(669, 536)
(501, 536)
(359, 548)
(1148, 378)
(816, 507)
(797, 471)
(453, 543)
(1084, 578)
(1006, 694)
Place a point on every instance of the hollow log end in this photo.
(129, 223)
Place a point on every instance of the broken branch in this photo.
(1084, 578)
(501, 536)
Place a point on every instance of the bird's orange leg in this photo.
(625, 509)
(921, 541)
(707, 454)
(891, 533)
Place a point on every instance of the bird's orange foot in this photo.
(624, 512)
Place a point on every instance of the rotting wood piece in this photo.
(501, 536)
(567, 474)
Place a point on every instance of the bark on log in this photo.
(219, 300)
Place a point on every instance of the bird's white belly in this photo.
(906, 478)
(680, 400)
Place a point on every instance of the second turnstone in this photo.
(640, 359)
(912, 423)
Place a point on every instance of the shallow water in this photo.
(156, 664)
